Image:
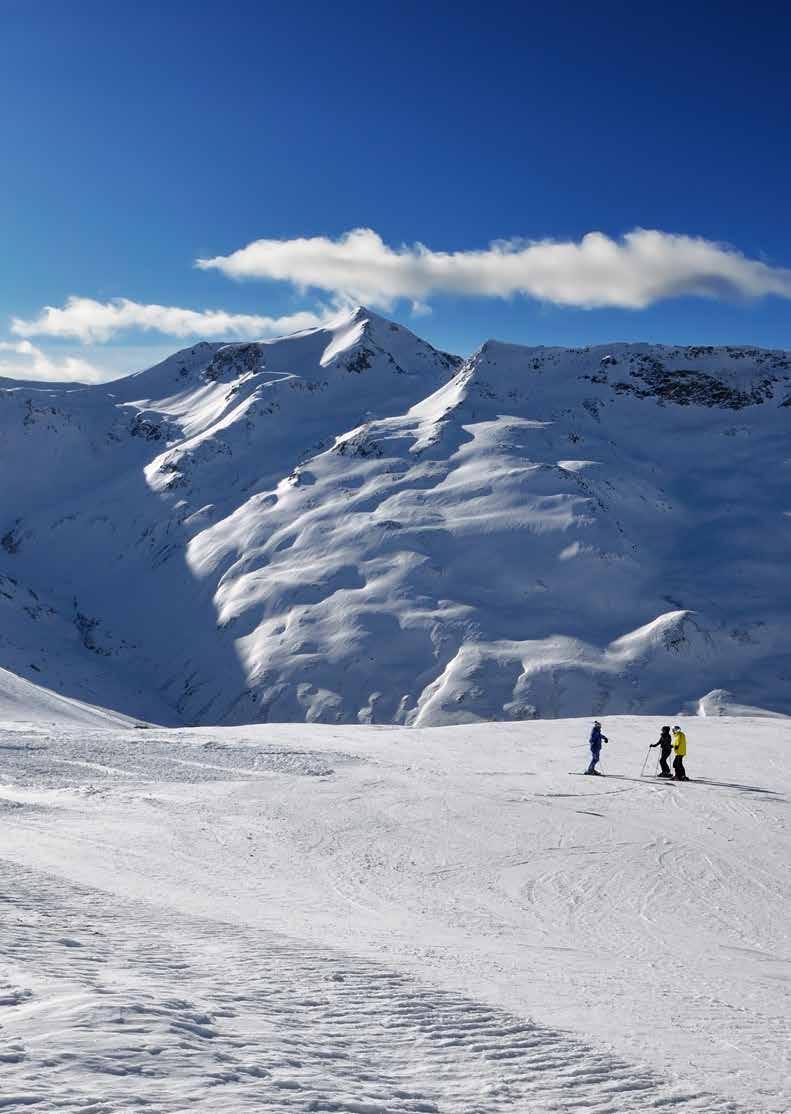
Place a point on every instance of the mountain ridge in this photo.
(349, 525)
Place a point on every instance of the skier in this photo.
(666, 743)
(596, 741)
(680, 747)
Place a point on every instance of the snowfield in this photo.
(349, 526)
(342, 554)
(383, 920)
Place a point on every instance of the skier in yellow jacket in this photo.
(680, 747)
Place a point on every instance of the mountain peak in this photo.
(333, 526)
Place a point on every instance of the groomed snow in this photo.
(381, 920)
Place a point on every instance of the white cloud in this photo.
(23, 360)
(642, 268)
(90, 321)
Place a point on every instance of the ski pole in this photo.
(645, 763)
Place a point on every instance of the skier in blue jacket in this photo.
(596, 741)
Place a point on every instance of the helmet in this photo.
(676, 728)
(666, 728)
(596, 723)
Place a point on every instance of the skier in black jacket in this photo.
(666, 743)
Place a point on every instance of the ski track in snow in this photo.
(378, 921)
(150, 1010)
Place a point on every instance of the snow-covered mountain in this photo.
(348, 525)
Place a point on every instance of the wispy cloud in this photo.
(636, 271)
(23, 360)
(90, 321)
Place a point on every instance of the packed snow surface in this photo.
(349, 526)
(384, 920)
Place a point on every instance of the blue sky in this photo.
(141, 138)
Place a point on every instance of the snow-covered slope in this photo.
(21, 701)
(347, 525)
(373, 920)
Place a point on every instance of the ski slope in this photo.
(349, 526)
(25, 702)
(384, 920)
